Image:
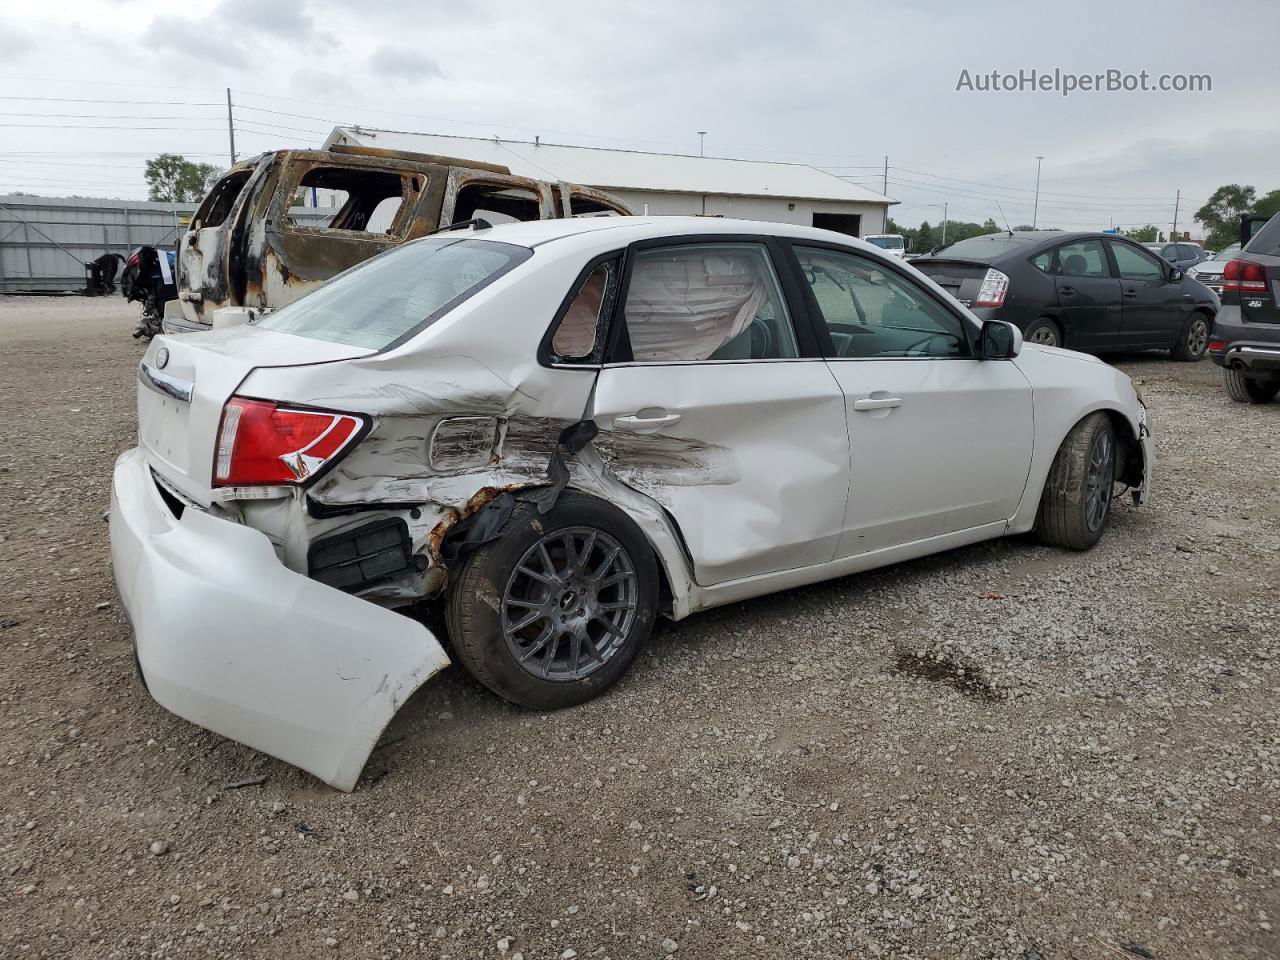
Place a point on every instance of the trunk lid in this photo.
(960, 278)
(184, 381)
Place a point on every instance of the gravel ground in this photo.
(1006, 751)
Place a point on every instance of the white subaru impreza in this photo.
(562, 430)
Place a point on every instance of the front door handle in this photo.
(1131, 294)
(877, 403)
(1067, 291)
(638, 424)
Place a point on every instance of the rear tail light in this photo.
(1242, 276)
(260, 443)
(1217, 345)
(994, 286)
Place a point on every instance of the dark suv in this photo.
(1246, 336)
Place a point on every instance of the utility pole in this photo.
(1177, 201)
(1035, 213)
(231, 129)
(702, 139)
(885, 191)
(944, 223)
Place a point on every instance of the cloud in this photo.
(288, 19)
(404, 63)
(14, 43)
(198, 41)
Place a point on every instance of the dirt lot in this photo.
(805, 775)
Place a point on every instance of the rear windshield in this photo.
(398, 293)
(1267, 240)
(983, 248)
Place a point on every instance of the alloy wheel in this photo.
(1198, 337)
(1101, 478)
(569, 604)
(1045, 335)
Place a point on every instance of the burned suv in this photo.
(1246, 335)
(253, 243)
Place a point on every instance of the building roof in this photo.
(625, 169)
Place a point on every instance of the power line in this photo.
(156, 103)
(107, 116)
(84, 126)
(1043, 193)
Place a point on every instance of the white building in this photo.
(663, 183)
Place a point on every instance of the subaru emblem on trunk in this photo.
(162, 357)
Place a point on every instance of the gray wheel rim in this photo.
(1198, 337)
(569, 604)
(1102, 469)
(1046, 335)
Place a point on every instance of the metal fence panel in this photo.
(46, 241)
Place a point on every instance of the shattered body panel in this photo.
(245, 250)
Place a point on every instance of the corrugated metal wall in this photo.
(45, 241)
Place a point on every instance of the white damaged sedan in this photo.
(562, 430)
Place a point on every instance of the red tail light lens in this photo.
(994, 287)
(1242, 276)
(261, 444)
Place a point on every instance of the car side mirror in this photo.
(1175, 274)
(1000, 340)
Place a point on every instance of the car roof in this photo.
(624, 230)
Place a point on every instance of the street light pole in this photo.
(1035, 213)
(702, 137)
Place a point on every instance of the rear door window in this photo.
(1083, 258)
(398, 294)
(705, 301)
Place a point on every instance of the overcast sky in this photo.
(835, 84)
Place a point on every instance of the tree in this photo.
(1148, 234)
(1221, 214)
(175, 179)
(925, 239)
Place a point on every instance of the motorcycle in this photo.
(148, 279)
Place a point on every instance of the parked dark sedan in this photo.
(1087, 291)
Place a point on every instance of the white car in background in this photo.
(562, 430)
(1209, 272)
(893, 244)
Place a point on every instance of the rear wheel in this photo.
(1242, 389)
(552, 612)
(1076, 502)
(1044, 331)
(1193, 339)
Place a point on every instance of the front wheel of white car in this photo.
(552, 612)
(1076, 502)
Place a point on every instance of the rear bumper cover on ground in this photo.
(231, 639)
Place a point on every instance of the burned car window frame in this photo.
(396, 231)
(618, 349)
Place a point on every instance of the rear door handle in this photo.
(877, 403)
(638, 424)
(1067, 291)
(1130, 294)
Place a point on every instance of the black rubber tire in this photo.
(474, 605)
(1062, 520)
(1044, 323)
(1182, 348)
(1243, 389)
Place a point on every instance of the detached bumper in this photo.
(231, 639)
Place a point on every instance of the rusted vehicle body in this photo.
(249, 245)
